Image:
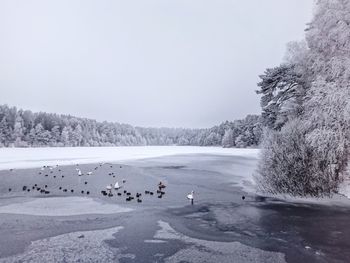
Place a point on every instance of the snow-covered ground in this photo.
(344, 188)
(36, 157)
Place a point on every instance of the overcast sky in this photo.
(176, 63)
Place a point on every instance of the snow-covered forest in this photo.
(306, 109)
(23, 128)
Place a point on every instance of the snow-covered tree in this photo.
(310, 154)
(227, 140)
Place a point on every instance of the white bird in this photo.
(79, 172)
(109, 187)
(191, 196)
(89, 173)
(116, 186)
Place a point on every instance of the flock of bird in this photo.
(118, 189)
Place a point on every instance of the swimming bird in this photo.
(243, 197)
(89, 173)
(191, 196)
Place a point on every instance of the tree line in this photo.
(23, 128)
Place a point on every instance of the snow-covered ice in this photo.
(83, 246)
(36, 157)
(62, 206)
(199, 250)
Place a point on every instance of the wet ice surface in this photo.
(62, 206)
(219, 224)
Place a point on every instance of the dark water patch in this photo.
(173, 167)
(303, 232)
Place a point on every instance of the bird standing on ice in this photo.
(116, 186)
(109, 189)
(191, 197)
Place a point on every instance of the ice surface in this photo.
(84, 246)
(36, 157)
(214, 251)
(62, 206)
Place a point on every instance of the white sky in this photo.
(176, 63)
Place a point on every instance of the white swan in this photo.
(109, 187)
(89, 173)
(116, 186)
(191, 196)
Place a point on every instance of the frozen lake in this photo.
(36, 157)
(220, 226)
